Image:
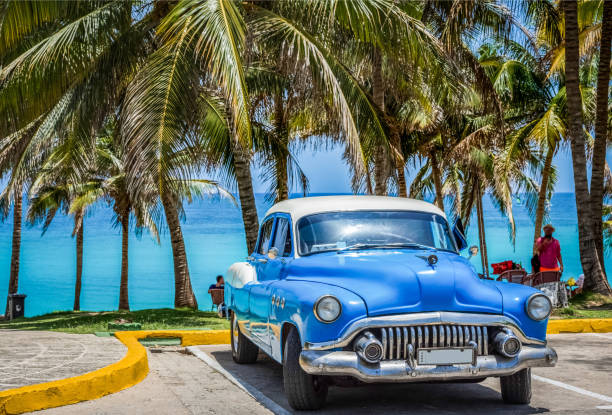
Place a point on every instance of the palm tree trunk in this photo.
(242, 169)
(481, 232)
(542, 195)
(594, 278)
(369, 189)
(378, 93)
(79, 259)
(399, 164)
(435, 171)
(183, 292)
(282, 190)
(601, 132)
(16, 246)
(124, 301)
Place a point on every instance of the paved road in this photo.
(28, 357)
(585, 361)
(184, 384)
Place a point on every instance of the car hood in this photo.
(401, 280)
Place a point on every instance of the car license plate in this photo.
(447, 356)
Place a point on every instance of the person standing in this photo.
(549, 251)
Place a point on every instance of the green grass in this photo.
(91, 322)
(587, 305)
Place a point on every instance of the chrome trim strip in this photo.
(429, 318)
(384, 343)
(485, 335)
(347, 363)
(399, 342)
(391, 343)
(405, 342)
(473, 336)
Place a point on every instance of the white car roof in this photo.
(305, 206)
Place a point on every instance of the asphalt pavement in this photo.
(580, 383)
(209, 382)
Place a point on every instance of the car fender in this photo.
(298, 299)
(515, 297)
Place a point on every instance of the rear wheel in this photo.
(304, 392)
(516, 388)
(243, 350)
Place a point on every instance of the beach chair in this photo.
(546, 276)
(513, 275)
(528, 280)
(217, 297)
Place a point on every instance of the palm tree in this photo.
(595, 278)
(56, 186)
(108, 182)
(601, 131)
(15, 244)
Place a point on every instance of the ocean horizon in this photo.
(214, 239)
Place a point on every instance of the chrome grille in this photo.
(395, 340)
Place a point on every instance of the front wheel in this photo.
(516, 388)
(304, 392)
(243, 350)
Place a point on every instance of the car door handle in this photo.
(262, 260)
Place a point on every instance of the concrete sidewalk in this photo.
(30, 357)
(177, 384)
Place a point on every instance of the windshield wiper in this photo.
(385, 246)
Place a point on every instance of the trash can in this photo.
(16, 305)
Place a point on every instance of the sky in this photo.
(328, 173)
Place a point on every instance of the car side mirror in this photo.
(459, 234)
(273, 253)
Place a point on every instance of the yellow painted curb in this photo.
(583, 325)
(127, 372)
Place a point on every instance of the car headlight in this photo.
(538, 307)
(327, 309)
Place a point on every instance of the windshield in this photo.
(337, 231)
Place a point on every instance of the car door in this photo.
(275, 269)
(259, 293)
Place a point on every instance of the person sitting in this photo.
(217, 295)
(549, 251)
(218, 286)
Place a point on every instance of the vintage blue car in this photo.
(350, 289)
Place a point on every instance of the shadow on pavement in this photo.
(266, 376)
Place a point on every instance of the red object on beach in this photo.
(502, 266)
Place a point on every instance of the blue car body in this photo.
(371, 285)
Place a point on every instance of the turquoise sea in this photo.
(214, 239)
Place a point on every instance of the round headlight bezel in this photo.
(319, 302)
(528, 308)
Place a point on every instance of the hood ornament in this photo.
(431, 259)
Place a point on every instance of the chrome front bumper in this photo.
(347, 363)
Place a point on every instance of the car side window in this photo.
(282, 237)
(264, 237)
